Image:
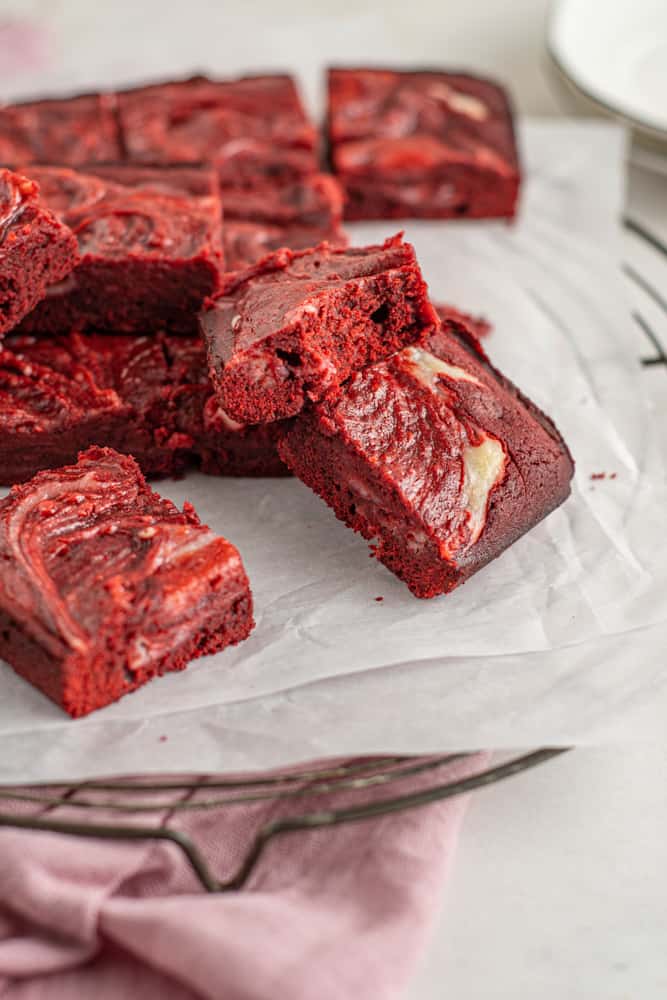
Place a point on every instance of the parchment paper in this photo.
(560, 640)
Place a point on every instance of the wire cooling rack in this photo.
(647, 295)
(135, 804)
(143, 798)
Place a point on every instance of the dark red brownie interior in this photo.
(69, 131)
(148, 396)
(435, 457)
(148, 259)
(299, 323)
(425, 144)
(36, 249)
(106, 585)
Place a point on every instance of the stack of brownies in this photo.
(175, 286)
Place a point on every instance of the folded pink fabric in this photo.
(334, 913)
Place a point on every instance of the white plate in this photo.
(615, 53)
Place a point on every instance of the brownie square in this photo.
(298, 323)
(315, 201)
(106, 585)
(423, 144)
(148, 396)
(36, 249)
(300, 214)
(68, 131)
(253, 129)
(434, 456)
(149, 258)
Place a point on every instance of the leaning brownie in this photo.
(106, 585)
(148, 396)
(298, 323)
(435, 456)
(148, 259)
(72, 131)
(422, 144)
(36, 249)
(253, 129)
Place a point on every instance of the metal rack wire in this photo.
(133, 798)
(650, 293)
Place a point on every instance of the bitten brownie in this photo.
(422, 144)
(149, 258)
(253, 129)
(298, 323)
(36, 249)
(105, 585)
(434, 456)
(70, 131)
(148, 396)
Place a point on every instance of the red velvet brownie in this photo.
(36, 249)
(200, 180)
(298, 323)
(422, 144)
(298, 215)
(247, 242)
(253, 129)
(148, 259)
(434, 456)
(68, 131)
(315, 201)
(148, 396)
(106, 585)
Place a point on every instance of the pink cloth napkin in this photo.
(333, 914)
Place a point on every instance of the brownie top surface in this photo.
(193, 119)
(316, 200)
(111, 220)
(48, 386)
(198, 180)
(247, 93)
(397, 120)
(284, 287)
(84, 544)
(52, 383)
(72, 130)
